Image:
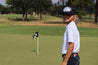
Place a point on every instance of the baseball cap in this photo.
(69, 10)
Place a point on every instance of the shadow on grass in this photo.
(34, 51)
(20, 19)
(87, 19)
(54, 22)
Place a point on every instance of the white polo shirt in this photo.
(71, 35)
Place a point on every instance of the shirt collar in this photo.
(70, 24)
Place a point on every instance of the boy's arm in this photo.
(69, 52)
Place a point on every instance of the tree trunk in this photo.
(63, 3)
(96, 13)
(58, 6)
(26, 16)
(31, 13)
(63, 7)
(23, 14)
(90, 15)
(40, 15)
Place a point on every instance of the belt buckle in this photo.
(75, 55)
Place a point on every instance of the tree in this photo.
(96, 13)
(23, 4)
(90, 7)
(70, 2)
(42, 5)
(14, 10)
(63, 3)
(83, 6)
(4, 10)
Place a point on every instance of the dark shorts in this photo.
(73, 60)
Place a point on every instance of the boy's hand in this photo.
(64, 63)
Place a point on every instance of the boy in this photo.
(71, 41)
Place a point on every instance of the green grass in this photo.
(45, 30)
(10, 15)
(21, 50)
(18, 48)
(34, 18)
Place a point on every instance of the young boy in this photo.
(71, 41)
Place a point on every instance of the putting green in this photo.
(21, 50)
(18, 48)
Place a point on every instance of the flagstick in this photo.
(38, 46)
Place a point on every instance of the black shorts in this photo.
(73, 60)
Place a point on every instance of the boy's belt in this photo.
(74, 55)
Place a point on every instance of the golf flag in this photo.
(35, 35)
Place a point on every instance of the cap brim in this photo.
(68, 13)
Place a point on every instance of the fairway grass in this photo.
(21, 50)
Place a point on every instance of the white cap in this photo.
(67, 9)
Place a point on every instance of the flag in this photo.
(35, 35)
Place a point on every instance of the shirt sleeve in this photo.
(71, 35)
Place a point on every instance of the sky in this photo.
(54, 1)
(3, 2)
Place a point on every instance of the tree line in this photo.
(39, 6)
(84, 7)
(26, 7)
